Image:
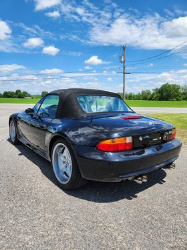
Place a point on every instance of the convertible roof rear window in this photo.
(96, 104)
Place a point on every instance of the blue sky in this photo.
(52, 44)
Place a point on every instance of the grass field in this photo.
(131, 103)
(169, 104)
(18, 100)
(178, 120)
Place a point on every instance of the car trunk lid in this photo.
(145, 131)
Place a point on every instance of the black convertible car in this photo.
(94, 135)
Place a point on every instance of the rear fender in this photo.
(52, 140)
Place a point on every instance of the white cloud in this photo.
(95, 60)
(139, 82)
(10, 67)
(113, 25)
(5, 30)
(148, 32)
(34, 31)
(150, 65)
(72, 53)
(80, 11)
(135, 83)
(33, 43)
(44, 4)
(54, 14)
(52, 71)
(176, 27)
(181, 12)
(8, 45)
(50, 50)
(168, 12)
(88, 67)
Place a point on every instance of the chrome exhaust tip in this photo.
(170, 166)
(144, 178)
(140, 179)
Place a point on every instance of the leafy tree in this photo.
(18, 93)
(1, 95)
(169, 92)
(146, 95)
(130, 96)
(44, 93)
(184, 92)
(9, 94)
(154, 95)
(25, 94)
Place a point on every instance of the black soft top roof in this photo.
(68, 104)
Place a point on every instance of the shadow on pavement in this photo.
(99, 192)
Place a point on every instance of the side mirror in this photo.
(29, 111)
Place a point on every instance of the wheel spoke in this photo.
(67, 171)
(65, 153)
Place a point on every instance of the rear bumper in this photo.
(113, 167)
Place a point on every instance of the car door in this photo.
(34, 127)
(45, 114)
(25, 124)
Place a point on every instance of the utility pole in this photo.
(122, 60)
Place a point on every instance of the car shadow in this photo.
(105, 192)
(100, 192)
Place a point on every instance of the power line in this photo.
(65, 74)
(147, 73)
(159, 58)
(57, 78)
(167, 51)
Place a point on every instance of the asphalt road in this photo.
(36, 214)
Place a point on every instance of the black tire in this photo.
(75, 180)
(14, 139)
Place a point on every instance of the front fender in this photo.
(14, 117)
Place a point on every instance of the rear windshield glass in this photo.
(94, 104)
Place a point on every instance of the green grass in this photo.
(18, 100)
(178, 120)
(131, 103)
(169, 104)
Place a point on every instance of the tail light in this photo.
(116, 145)
(173, 134)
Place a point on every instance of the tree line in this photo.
(167, 92)
(21, 94)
